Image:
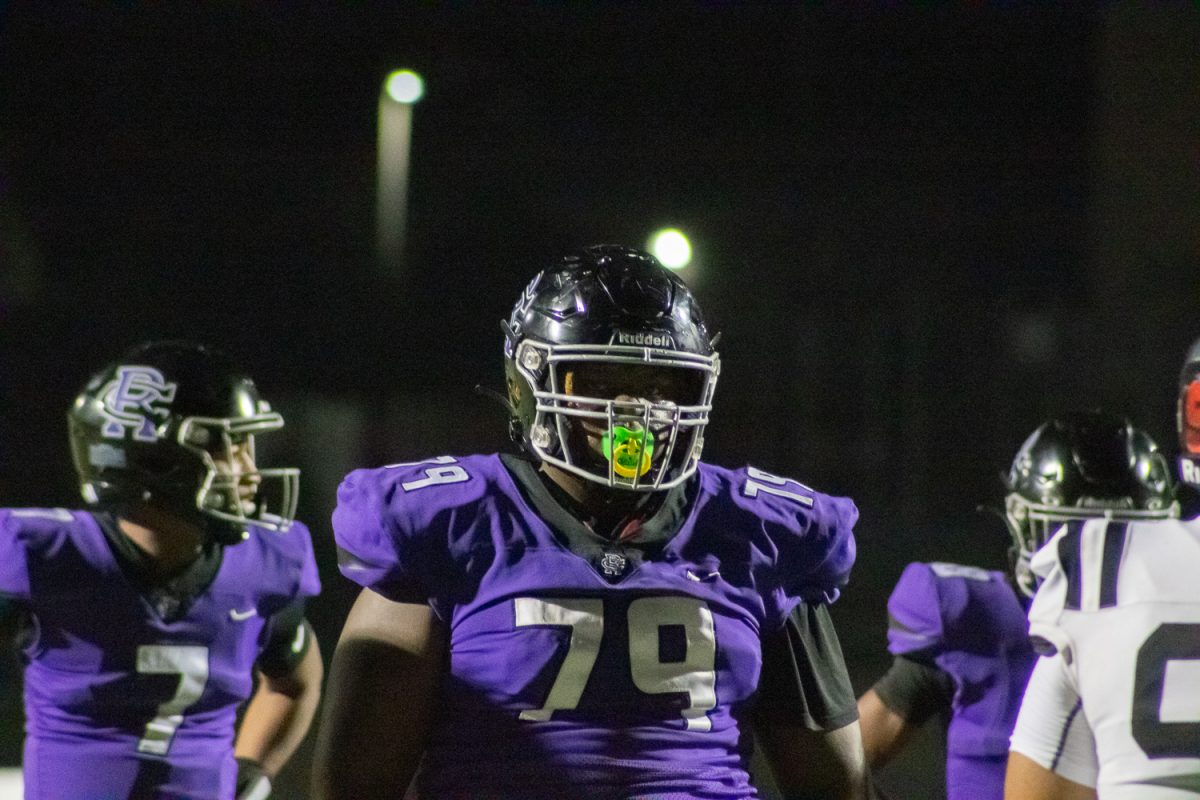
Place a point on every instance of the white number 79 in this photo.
(695, 676)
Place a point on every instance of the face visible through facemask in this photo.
(644, 398)
(237, 480)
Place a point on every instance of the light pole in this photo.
(401, 90)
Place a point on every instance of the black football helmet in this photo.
(609, 345)
(1082, 465)
(161, 425)
(1187, 418)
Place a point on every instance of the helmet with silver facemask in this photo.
(1082, 465)
(173, 424)
(611, 370)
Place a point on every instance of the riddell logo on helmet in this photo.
(642, 339)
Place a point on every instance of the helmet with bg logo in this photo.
(611, 370)
(172, 424)
(1077, 466)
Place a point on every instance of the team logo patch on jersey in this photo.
(613, 564)
(134, 399)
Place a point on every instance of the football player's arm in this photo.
(15, 587)
(379, 705)
(281, 710)
(806, 718)
(1026, 779)
(913, 689)
(1053, 752)
(898, 704)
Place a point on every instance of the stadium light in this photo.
(671, 247)
(401, 89)
(405, 86)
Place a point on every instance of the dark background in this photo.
(921, 230)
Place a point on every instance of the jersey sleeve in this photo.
(391, 527)
(288, 638)
(284, 569)
(1051, 728)
(915, 690)
(308, 583)
(915, 624)
(815, 543)
(804, 678)
(14, 563)
(827, 550)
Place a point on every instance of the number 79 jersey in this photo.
(577, 670)
(1120, 603)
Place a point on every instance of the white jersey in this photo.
(1120, 603)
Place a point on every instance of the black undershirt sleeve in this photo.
(804, 679)
(288, 639)
(915, 690)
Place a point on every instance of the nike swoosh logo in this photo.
(708, 576)
(242, 616)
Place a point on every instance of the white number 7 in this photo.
(190, 663)
(586, 619)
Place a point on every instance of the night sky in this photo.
(921, 230)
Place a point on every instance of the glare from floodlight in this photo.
(405, 86)
(672, 248)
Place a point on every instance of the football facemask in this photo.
(1034, 524)
(234, 489)
(626, 417)
(1079, 466)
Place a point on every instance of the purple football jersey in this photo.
(972, 626)
(118, 702)
(572, 676)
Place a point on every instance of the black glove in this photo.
(252, 782)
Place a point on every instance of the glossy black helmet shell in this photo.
(616, 305)
(143, 428)
(609, 294)
(1082, 465)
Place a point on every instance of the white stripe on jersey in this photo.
(1091, 557)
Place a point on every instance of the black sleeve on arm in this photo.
(915, 690)
(804, 679)
(288, 638)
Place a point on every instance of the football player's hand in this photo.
(252, 782)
